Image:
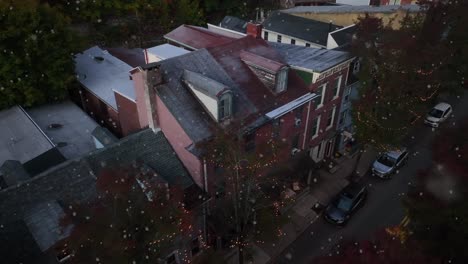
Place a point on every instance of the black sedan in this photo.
(345, 204)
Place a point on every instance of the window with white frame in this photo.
(278, 38)
(315, 127)
(321, 92)
(282, 80)
(293, 41)
(224, 106)
(336, 87)
(265, 35)
(331, 118)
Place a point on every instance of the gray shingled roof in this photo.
(43, 221)
(234, 23)
(204, 84)
(36, 203)
(302, 28)
(183, 105)
(352, 9)
(317, 60)
(148, 147)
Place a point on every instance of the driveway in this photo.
(383, 207)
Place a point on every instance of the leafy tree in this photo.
(437, 204)
(187, 12)
(404, 70)
(36, 47)
(385, 249)
(135, 218)
(244, 212)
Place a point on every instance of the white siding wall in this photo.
(273, 37)
(210, 104)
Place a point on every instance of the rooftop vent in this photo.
(98, 58)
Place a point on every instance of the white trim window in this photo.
(322, 92)
(315, 127)
(278, 38)
(331, 118)
(265, 35)
(336, 88)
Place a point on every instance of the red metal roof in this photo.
(230, 58)
(196, 37)
(262, 62)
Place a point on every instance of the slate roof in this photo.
(317, 60)
(352, 9)
(234, 23)
(36, 203)
(20, 138)
(204, 84)
(17, 245)
(148, 147)
(183, 105)
(101, 73)
(260, 96)
(261, 62)
(104, 136)
(43, 221)
(196, 37)
(343, 36)
(299, 27)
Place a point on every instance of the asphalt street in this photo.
(383, 205)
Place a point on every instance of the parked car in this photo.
(387, 163)
(438, 114)
(345, 204)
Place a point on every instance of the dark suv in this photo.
(345, 204)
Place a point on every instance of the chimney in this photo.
(254, 30)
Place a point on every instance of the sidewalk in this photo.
(322, 190)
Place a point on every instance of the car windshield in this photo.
(343, 203)
(436, 113)
(386, 160)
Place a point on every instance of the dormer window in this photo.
(215, 97)
(273, 74)
(282, 80)
(224, 106)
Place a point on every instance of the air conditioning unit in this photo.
(294, 151)
(298, 122)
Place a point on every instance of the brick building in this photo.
(240, 81)
(106, 92)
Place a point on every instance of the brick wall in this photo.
(104, 114)
(179, 140)
(128, 114)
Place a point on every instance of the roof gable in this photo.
(306, 29)
(234, 23)
(316, 60)
(196, 37)
(230, 58)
